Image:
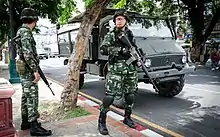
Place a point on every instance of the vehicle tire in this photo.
(81, 80)
(65, 62)
(171, 89)
(119, 102)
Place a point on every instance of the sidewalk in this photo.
(85, 126)
(3, 66)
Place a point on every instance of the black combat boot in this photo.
(127, 120)
(102, 124)
(37, 130)
(25, 124)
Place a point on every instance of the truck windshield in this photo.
(150, 29)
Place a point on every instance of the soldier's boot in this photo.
(37, 130)
(102, 123)
(25, 124)
(127, 118)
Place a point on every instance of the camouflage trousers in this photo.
(121, 79)
(29, 100)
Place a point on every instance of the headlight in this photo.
(147, 62)
(184, 59)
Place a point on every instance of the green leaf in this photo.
(120, 4)
(66, 9)
(89, 3)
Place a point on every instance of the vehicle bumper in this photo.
(166, 75)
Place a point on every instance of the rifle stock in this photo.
(136, 56)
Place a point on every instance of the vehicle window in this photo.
(73, 35)
(63, 38)
(148, 29)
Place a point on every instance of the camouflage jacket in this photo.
(28, 45)
(112, 46)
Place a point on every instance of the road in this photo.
(193, 113)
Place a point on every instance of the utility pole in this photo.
(14, 77)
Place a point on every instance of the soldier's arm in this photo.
(132, 39)
(26, 42)
(108, 47)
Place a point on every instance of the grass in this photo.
(50, 111)
(77, 112)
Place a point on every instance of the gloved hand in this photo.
(139, 64)
(115, 51)
(125, 51)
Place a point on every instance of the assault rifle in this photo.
(17, 41)
(135, 56)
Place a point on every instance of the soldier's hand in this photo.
(115, 51)
(139, 64)
(37, 77)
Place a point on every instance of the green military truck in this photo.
(165, 60)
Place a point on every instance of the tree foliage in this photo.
(52, 9)
(66, 9)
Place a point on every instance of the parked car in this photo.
(42, 53)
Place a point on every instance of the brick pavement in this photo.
(82, 126)
(85, 126)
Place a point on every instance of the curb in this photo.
(114, 113)
(3, 67)
(144, 130)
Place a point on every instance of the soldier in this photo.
(121, 78)
(29, 75)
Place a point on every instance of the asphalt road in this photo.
(193, 113)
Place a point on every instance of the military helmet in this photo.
(29, 13)
(121, 13)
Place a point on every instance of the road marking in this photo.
(167, 131)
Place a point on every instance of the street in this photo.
(193, 113)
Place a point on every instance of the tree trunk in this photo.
(195, 23)
(211, 25)
(70, 93)
(197, 49)
(196, 16)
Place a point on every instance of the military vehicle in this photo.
(165, 60)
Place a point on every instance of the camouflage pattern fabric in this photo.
(121, 78)
(29, 100)
(108, 47)
(28, 48)
(29, 103)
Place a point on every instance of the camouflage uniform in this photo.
(29, 104)
(121, 79)
(26, 65)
